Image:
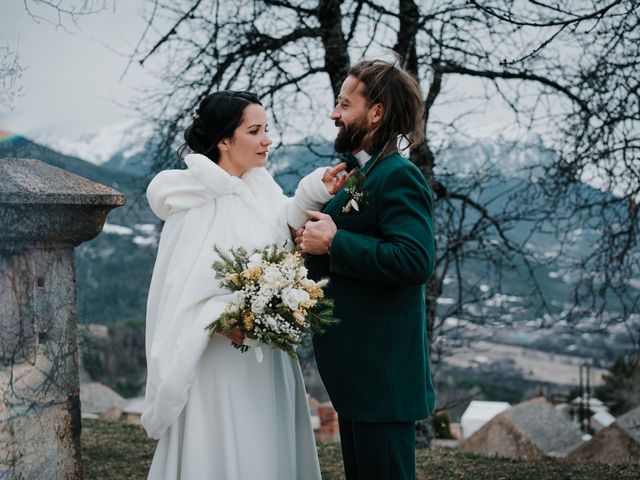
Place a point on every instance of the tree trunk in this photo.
(336, 55)
(406, 42)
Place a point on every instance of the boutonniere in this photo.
(357, 195)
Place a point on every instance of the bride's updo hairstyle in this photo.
(217, 117)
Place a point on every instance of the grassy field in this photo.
(115, 451)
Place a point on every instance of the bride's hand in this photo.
(235, 335)
(332, 179)
(298, 237)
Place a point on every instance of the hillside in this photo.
(21, 147)
(112, 450)
(114, 269)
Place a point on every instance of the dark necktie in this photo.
(351, 161)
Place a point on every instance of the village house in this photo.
(617, 443)
(531, 430)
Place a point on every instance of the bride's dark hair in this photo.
(217, 117)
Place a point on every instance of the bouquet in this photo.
(273, 300)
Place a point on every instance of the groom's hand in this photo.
(318, 233)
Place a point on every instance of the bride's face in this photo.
(249, 145)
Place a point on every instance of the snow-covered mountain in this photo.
(124, 140)
(122, 147)
(510, 159)
(114, 269)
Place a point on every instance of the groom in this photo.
(375, 242)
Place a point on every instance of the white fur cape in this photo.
(204, 206)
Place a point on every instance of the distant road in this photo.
(534, 364)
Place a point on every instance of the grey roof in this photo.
(603, 418)
(96, 397)
(630, 423)
(548, 429)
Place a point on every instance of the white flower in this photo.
(288, 274)
(292, 297)
(302, 272)
(237, 300)
(354, 204)
(271, 322)
(267, 291)
(289, 261)
(271, 277)
(258, 304)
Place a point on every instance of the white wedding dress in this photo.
(220, 414)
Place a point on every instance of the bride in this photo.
(219, 413)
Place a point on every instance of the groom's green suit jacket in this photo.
(375, 363)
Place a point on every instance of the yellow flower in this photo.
(316, 292)
(299, 317)
(233, 278)
(306, 304)
(293, 258)
(314, 289)
(249, 318)
(252, 273)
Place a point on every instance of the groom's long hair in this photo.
(402, 106)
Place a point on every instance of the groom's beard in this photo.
(350, 137)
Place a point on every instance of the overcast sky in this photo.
(72, 82)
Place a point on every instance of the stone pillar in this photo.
(44, 213)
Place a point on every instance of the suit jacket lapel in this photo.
(334, 206)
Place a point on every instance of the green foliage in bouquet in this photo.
(274, 301)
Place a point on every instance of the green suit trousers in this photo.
(378, 450)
